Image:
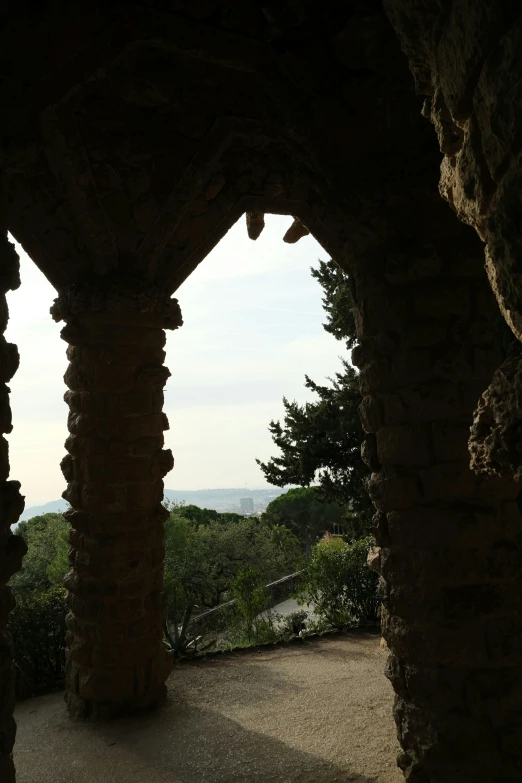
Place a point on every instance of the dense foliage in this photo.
(37, 625)
(321, 441)
(46, 561)
(203, 563)
(340, 584)
(203, 516)
(251, 597)
(302, 512)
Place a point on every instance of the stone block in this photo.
(9, 360)
(127, 610)
(450, 442)
(138, 448)
(130, 428)
(128, 566)
(117, 470)
(95, 498)
(12, 504)
(162, 463)
(116, 378)
(412, 367)
(405, 446)
(424, 403)
(485, 362)
(454, 366)
(448, 482)
(151, 378)
(429, 526)
(107, 685)
(11, 555)
(419, 263)
(465, 646)
(427, 334)
(370, 411)
(442, 302)
(4, 460)
(391, 490)
(145, 495)
(376, 376)
(136, 403)
(86, 402)
(369, 453)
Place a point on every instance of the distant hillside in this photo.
(218, 499)
(223, 499)
(47, 508)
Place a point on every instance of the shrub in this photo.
(37, 625)
(252, 598)
(295, 622)
(340, 584)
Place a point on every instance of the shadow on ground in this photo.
(313, 714)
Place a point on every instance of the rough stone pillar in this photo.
(116, 659)
(450, 541)
(12, 548)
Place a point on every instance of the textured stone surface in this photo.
(12, 548)
(448, 540)
(496, 434)
(116, 659)
(465, 57)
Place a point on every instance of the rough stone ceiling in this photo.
(145, 140)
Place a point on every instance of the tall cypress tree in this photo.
(321, 441)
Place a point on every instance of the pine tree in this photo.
(321, 441)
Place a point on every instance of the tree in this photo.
(46, 561)
(203, 516)
(251, 596)
(186, 578)
(339, 583)
(202, 561)
(305, 514)
(282, 536)
(321, 441)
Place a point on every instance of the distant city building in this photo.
(246, 505)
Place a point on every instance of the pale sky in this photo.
(252, 329)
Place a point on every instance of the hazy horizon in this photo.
(252, 329)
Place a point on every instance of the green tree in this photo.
(339, 583)
(203, 560)
(320, 441)
(60, 565)
(251, 596)
(186, 578)
(37, 626)
(46, 561)
(305, 514)
(203, 516)
(282, 536)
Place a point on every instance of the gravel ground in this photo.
(313, 712)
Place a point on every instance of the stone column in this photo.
(450, 541)
(116, 659)
(12, 548)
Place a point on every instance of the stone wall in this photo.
(12, 548)
(449, 540)
(465, 57)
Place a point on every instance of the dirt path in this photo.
(316, 712)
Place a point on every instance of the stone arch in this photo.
(103, 161)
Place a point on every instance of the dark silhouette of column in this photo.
(116, 658)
